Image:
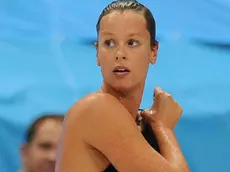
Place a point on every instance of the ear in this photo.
(24, 152)
(154, 52)
(96, 46)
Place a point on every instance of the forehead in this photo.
(124, 21)
(48, 130)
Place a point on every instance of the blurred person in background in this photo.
(38, 153)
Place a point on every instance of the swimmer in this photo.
(100, 131)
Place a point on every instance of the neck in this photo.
(130, 99)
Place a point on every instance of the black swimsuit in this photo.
(149, 135)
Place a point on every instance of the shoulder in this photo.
(92, 103)
(98, 112)
(104, 124)
(97, 107)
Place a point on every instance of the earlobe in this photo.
(23, 150)
(154, 53)
(153, 58)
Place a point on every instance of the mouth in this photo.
(121, 69)
(48, 168)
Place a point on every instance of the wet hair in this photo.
(34, 126)
(122, 5)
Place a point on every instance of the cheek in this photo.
(142, 58)
(34, 159)
(106, 60)
(38, 153)
(142, 64)
(106, 54)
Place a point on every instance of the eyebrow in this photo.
(135, 34)
(131, 34)
(107, 33)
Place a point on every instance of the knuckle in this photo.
(180, 109)
(168, 95)
(160, 94)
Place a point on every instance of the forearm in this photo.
(169, 148)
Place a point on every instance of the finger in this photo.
(148, 117)
(167, 94)
(138, 118)
(157, 91)
(159, 95)
(139, 115)
(147, 113)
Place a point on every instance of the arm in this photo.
(111, 130)
(169, 147)
(162, 117)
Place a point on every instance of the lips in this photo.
(48, 167)
(121, 69)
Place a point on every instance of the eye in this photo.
(45, 146)
(132, 43)
(109, 43)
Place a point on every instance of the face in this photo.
(40, 154)
(123, 50)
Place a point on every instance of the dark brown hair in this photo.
(32, 129)
(122, 5)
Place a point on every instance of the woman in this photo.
(100, 133)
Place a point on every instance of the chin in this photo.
(123, 88)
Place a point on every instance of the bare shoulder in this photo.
(99, 112)
(104, 124)
(82, 126)
(92, 104)
(96, 109)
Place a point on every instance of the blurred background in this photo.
(47, 62)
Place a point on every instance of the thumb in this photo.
(147, 114)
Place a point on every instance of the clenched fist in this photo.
(164, 112)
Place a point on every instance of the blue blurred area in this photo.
(46, 64)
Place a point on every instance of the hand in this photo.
(165, 111)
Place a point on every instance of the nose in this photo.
(52, 155)
(121, 54)
(118, 57)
